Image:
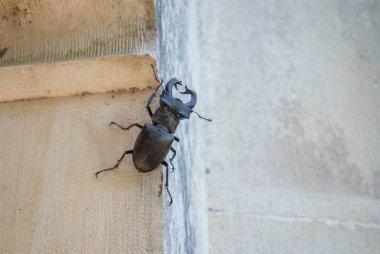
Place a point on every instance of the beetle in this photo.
(155, 140)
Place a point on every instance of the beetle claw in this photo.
(187, 91)
(193, 101)
(178, 83)
(169, 86)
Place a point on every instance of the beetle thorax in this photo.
(165, 119)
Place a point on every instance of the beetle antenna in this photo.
(207, 119)
(155, 76)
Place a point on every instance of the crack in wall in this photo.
(329, 222)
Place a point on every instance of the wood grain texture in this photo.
(50, 148)
(125, 73)
(35, 31)
(51, 201)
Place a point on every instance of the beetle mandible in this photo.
(155, 140)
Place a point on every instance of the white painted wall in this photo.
(292, 157)
(182, 228)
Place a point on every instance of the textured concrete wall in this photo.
(294, 151)
(292, 157)
(173, 61)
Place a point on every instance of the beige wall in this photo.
(52, 30)
(54, 128)
(51, 201)
(50, 150)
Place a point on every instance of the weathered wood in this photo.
(76, 77)
(52, 30)
(50, 148)
(51, 201)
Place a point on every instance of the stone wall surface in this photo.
(183, 232)
(291, 162)
(293, 155)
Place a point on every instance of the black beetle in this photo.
(154, 141)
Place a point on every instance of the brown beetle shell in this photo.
(151, 147)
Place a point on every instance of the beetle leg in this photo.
(155, 75)
(151, 99)
(149, 102)
(167, 182)
(154, 94)
(117, 164)
(127, 128)
(172, 158)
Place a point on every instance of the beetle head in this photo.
(175, 105)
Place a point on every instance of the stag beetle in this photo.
(154, 141)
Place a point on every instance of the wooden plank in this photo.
(98, 75)
(51, 201)
(50, 148)
(35, 31)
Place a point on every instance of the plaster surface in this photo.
(293, 153)
(290, 163)
(180, 223)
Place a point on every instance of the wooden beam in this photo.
(33, 31)
(98, 75)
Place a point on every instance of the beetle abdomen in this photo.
(151, 147)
